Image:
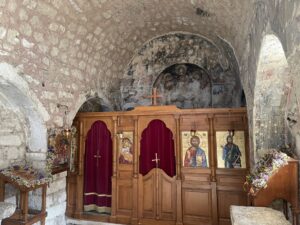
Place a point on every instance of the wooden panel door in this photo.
(158, 196)
(166, 196)
(149, 193)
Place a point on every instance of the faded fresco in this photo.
(176, 82)
(231, 149)
(189, 71)
(194, 149)
(126, 148)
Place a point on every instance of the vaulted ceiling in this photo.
(69, 50)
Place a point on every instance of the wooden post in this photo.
(178, 173)
(24, 205)
(178, 147)
(213, 155)
(115, 150)
(213, 166)
(135, 179)
(2, 190)
(44, 191)
(79, 178)
(114, 175)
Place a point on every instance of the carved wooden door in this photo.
(157, 182)
(158, 196)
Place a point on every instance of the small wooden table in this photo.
(23, 215)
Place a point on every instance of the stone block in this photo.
(13, 36)
(57, 186)
(10, 140)
(27, 44)
(57, 210)
(36, 156)
(2, 32)
(6, 210)
(59, 220)
(46, 9)
(25, 29)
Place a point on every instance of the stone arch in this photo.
(19, 96)
(94, 104)
(14, 133)
(164, 51)
(87, 98)
(269, 99)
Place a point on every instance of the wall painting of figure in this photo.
(126, 148)
(231, 149)
(195, 149)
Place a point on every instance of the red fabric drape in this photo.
(157, 138)
(98, 169)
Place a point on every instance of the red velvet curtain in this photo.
(157, 138)
(98, 169)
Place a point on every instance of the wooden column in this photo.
(79, 188)
(213, 166)
(114, 174)
(2, 190)
(213, 155)
(177, 147)
(135, 179)
(178, 173)
(44, 191)
(115, 148)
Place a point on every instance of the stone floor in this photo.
(84, 222)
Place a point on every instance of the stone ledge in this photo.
(243, 215)
(6, 210)
(71, 221)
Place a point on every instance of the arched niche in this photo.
(19, 97)
(269, 98)
(14, 133)
(161, 53)
(89, 102)
(186, 86)
(94, 104)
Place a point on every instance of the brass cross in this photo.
(98, 156)
(154, 96)
(156, 160)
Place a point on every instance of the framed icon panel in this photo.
(194, 148)
(231, 149)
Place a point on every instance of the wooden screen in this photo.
(202, 190)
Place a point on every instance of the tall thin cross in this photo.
(154, 96)
(156, 160)
(98, 156)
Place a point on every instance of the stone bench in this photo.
(6, 210)
(243, 215)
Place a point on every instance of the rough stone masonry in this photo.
(70, 51)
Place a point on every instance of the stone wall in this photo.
(13, 135)
(56, 200)
(70, 51)
(272, 83)
(280, 18)
(292, 115)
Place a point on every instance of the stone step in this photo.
(6, 210)
(71, 221)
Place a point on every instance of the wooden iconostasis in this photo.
(210, 152)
